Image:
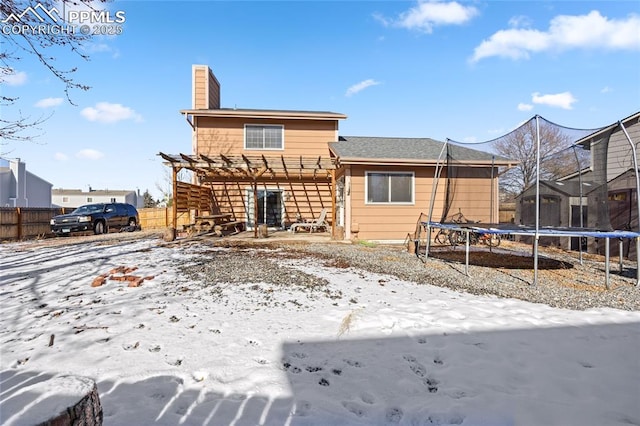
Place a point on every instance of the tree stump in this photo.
(169, 234)
(59, 401)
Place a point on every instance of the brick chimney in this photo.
(205, 88)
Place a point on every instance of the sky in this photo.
(467, 71)
(176, 351)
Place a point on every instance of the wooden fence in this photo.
(26, 222)
(30, 222)
(161, 217)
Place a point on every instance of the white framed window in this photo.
(261, 136)
(113, 200)
(65, 199)
(89, 200)
(389, 187)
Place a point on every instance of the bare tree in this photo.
(32, 29)
(557, 155)
(166, 185)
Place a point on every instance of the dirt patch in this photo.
(499, 259)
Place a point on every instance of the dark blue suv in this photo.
(99, 218)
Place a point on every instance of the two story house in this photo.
(277, 167)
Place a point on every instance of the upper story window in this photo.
(89, 200)
(263, 136)
(389, 187)
(65, 199)
(113, 200)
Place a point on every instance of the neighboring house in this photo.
(21, 188)
(73, 198)
(614, 178)
(275, 167)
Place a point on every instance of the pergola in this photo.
(250, 169)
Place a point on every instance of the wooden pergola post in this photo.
(174, 203)
(255, 208)
(333, 203)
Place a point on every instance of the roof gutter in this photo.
(292, 115)
(414, 162)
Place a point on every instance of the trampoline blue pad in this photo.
(509, 229)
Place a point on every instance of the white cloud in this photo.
(429, 14)
(591, 31)
(89, 154)
(361, 86)
(101, 48)
(524, 107)
(606, 89)
(49, 102)
(14, 78)
(105, 112)
(60, 156)
(519, 21)
(562, 100)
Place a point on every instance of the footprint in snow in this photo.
(394, 415)
(290, 367)
(367, 398)
(353, 363)
(354, 408)
(419, 370)
(129, 346)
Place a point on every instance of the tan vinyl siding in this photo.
(301, 137)
(214, 91)
(472, 195)
(200, 88)
(393, 222)
(206, 88)
(619, 157)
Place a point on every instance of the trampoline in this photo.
(509, 229)
(559, 153)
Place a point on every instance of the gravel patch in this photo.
(562, 281)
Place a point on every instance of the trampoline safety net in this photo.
(555, 182)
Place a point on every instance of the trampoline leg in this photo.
(606, 262)
(535, 261)
(620, 250)
(428, 243)
(466, 264)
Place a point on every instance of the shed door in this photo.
(549, 210)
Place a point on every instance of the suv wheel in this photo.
(99, 228)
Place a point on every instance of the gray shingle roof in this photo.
(417, 149)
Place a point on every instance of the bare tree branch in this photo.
(18, 43)
(557, 158)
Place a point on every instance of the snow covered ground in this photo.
(172, 351)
